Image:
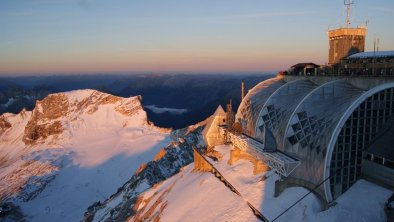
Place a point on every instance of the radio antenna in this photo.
(348, 4)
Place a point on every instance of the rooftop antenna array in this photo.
(348, 4)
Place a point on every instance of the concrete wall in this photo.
(281, 185)
(200, 163)
(258, 166)
(378, 172)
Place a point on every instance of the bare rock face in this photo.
(130, 107)
(23, 113)
(45, 119)
(36, 132)
(50, 113)
(91, 103)
(4, 125)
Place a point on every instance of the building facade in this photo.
(380, 63)
(327, 126)
(344, 42)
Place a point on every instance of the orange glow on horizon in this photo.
(166, 61)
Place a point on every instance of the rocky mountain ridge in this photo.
(72, 143)
(168, 162)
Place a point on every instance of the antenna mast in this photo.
(242, 90)
(348, 3)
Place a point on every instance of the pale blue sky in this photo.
(50, 36)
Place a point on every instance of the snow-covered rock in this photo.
(165, 164)
(93, 156)
(73, 149)
(194, 196)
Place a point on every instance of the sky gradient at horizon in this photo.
(80, 36)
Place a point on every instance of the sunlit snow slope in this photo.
(73, 149)
(194, 196)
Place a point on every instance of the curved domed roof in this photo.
(278, 108)
(254, 100)
(305, 119)
(313, 122)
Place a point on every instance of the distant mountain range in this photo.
(174, 101)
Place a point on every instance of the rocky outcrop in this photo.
(131, 107)
(70, 132)
(44, 120)
(167, 163)
(49, 114)
(27, 188)
(4, 125)
(91, 103)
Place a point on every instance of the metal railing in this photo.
(280, 162)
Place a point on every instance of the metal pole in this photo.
(348, 3)
(374, 54)
(243, 90)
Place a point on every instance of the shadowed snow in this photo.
(195, 196)
(104, 141)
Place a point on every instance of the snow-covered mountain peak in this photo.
(74, 141)
(66, 112)
(88, 101)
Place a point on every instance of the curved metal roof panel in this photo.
(254, 100)
(279, 107)
(311, 125)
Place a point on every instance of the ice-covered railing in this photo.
(282, 163)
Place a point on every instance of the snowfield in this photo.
(196, 196)
(193, 196)
(103, 142)
(80, 147)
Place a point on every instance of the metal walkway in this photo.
(282, 163)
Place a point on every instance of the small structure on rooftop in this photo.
(211, 130)
(346, 41)
(378, 63)
(305, 69)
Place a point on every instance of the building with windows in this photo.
(324, 127)
(380, 63)
(344, 42)
(332, 127)
(305, 69)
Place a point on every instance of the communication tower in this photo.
(344, 42)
